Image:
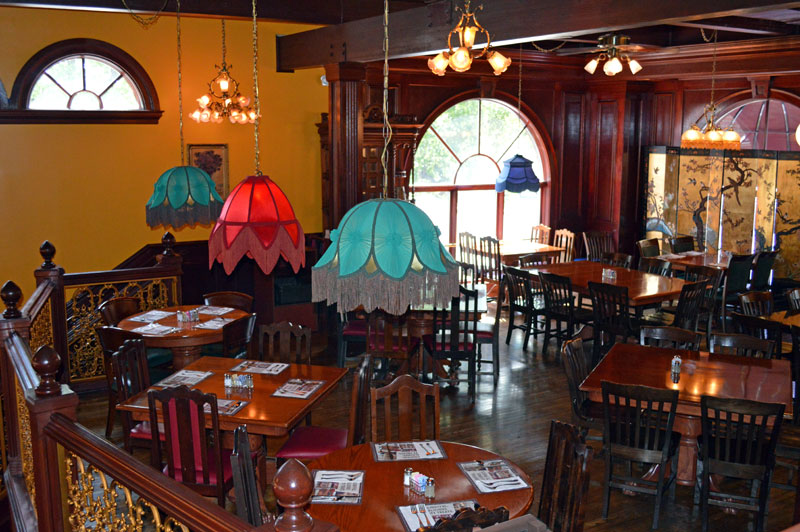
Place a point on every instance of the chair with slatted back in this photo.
(351, 328)
(638, 423)
(237, 337)
(565, 481)
(612, 317)
(116, 309)
(398, 399)
(620, 260)
(648, 248)
(670, 337)
(761, 328)
(309, 442)
(737, 277)
(192, 440)
(489, 334)
(794, 299)
(687, 312)
(738, 440)
(713, 277)
(597, 243)
(540, 234)
(788, 447)
(586, 414)
(681, 244)
(756, 303)
(231, 299)
(286, 342)
(245, 488)
(762, 270)
(655, 266)
(533, 260)
(453, 339)
(741, 345)
(523, 300)
(559, 307)
(466, 274)
(389, 342)
(491, 268)
(132, 376)
(468, 248)
(564, 238)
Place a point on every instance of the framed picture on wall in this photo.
(213, 158)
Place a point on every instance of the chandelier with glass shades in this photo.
(613, 56)
(460, 59)
(223, 99)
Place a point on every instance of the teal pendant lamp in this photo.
(183, 195)
(386, 253)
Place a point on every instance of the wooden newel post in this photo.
(293, 486)
(50, 271)
(11, 295)
(168, 257)
(47, 362)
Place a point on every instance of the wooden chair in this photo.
(670, 337)
(760, 328)
(586, 414)
(620, 260)
(237, 337)
(466, 274)
(533, 260)
(245, 488)
(565, 481)
(351, 327)
(788, 447)
(491, 267)
(681, 244)
(468, 249)
(655, 266)
(612, 317)
(687, 313)
(737, 277)
(762, 269)
(309, 442)
(738, 440)
(132, 376)
(489, 334)
(564, 238)
(794, 299)
(454, 333)
(713, 277)
(648, 248)
(388, 340)
(756, 303)
(117, 309)
(559, 307)
(286, 342)
(194, 454)
(540, 233)
(638, 428)
(231, 299)
(523, 300)
(741, 345)
(404, 388)
(597, 243)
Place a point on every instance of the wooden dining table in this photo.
(701, 374)
(787, 318)
(512, 250)
(263, 414)
(187, 340)
(383, 488)
(680, 261)
(644, 289)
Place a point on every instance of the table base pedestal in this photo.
(183, 356)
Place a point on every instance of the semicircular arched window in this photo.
(457, 163)
(763, 124)
(82, 81)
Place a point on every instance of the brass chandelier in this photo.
(613, 55)
(460, 59)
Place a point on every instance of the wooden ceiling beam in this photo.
(749, 25)
(423, 30)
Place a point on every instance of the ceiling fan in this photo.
(613, 48)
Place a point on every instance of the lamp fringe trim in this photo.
(247, 242)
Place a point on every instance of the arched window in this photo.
(764, 123)
(82, 81)
(458, 160)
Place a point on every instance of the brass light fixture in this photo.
(612, 56)
(223, 99)
(460, 59)
(711, 136)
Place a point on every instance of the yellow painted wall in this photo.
(84, 187)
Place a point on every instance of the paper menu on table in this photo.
(492, 476)
(409, 450)
(412, 520)
(337, 487)
(216, 323)
(257, 366)
(185, 377)
(226, 407)
(298, 388)
(151, 316)
(154, 328)
(214, 311)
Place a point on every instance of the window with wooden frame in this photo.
(457, 163)
(82, 81)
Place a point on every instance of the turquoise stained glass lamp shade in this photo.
(517, 176)
(385, 254)
(183, 195)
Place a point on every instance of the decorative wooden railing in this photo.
(61, 476)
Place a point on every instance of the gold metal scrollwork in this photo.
(42, 328)
(26, 448)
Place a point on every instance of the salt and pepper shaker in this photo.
(676, 364)
(430, 488)
(407, 476)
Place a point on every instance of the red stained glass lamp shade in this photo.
(257, 220)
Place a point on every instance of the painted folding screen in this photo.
(727, 200)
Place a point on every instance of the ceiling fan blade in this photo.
(579, 51)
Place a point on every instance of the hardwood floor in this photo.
(513, 420)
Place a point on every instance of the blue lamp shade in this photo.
(183, 195)
(517, 176)
(385, 254)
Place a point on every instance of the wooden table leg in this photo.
(689, 427)
(183, 356)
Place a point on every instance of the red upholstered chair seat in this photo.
(212, 466)
(355, 328)
(483, 330)
(142, 431)
(310, 442)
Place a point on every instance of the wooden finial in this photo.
(47, 362)
(11, 295)
(47, 251)
(292, 487)
(168, 240)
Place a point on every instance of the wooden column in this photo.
(346, 132)
(50, 271)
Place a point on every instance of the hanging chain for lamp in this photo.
(145, 22)
(387, 127)
(180, 81)
(519, 86)
(546, 50)
(256, 121)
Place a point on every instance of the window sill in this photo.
(30, 116)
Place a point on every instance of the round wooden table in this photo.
(384, 490)
(187, 342)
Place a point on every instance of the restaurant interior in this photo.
(400, 265)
